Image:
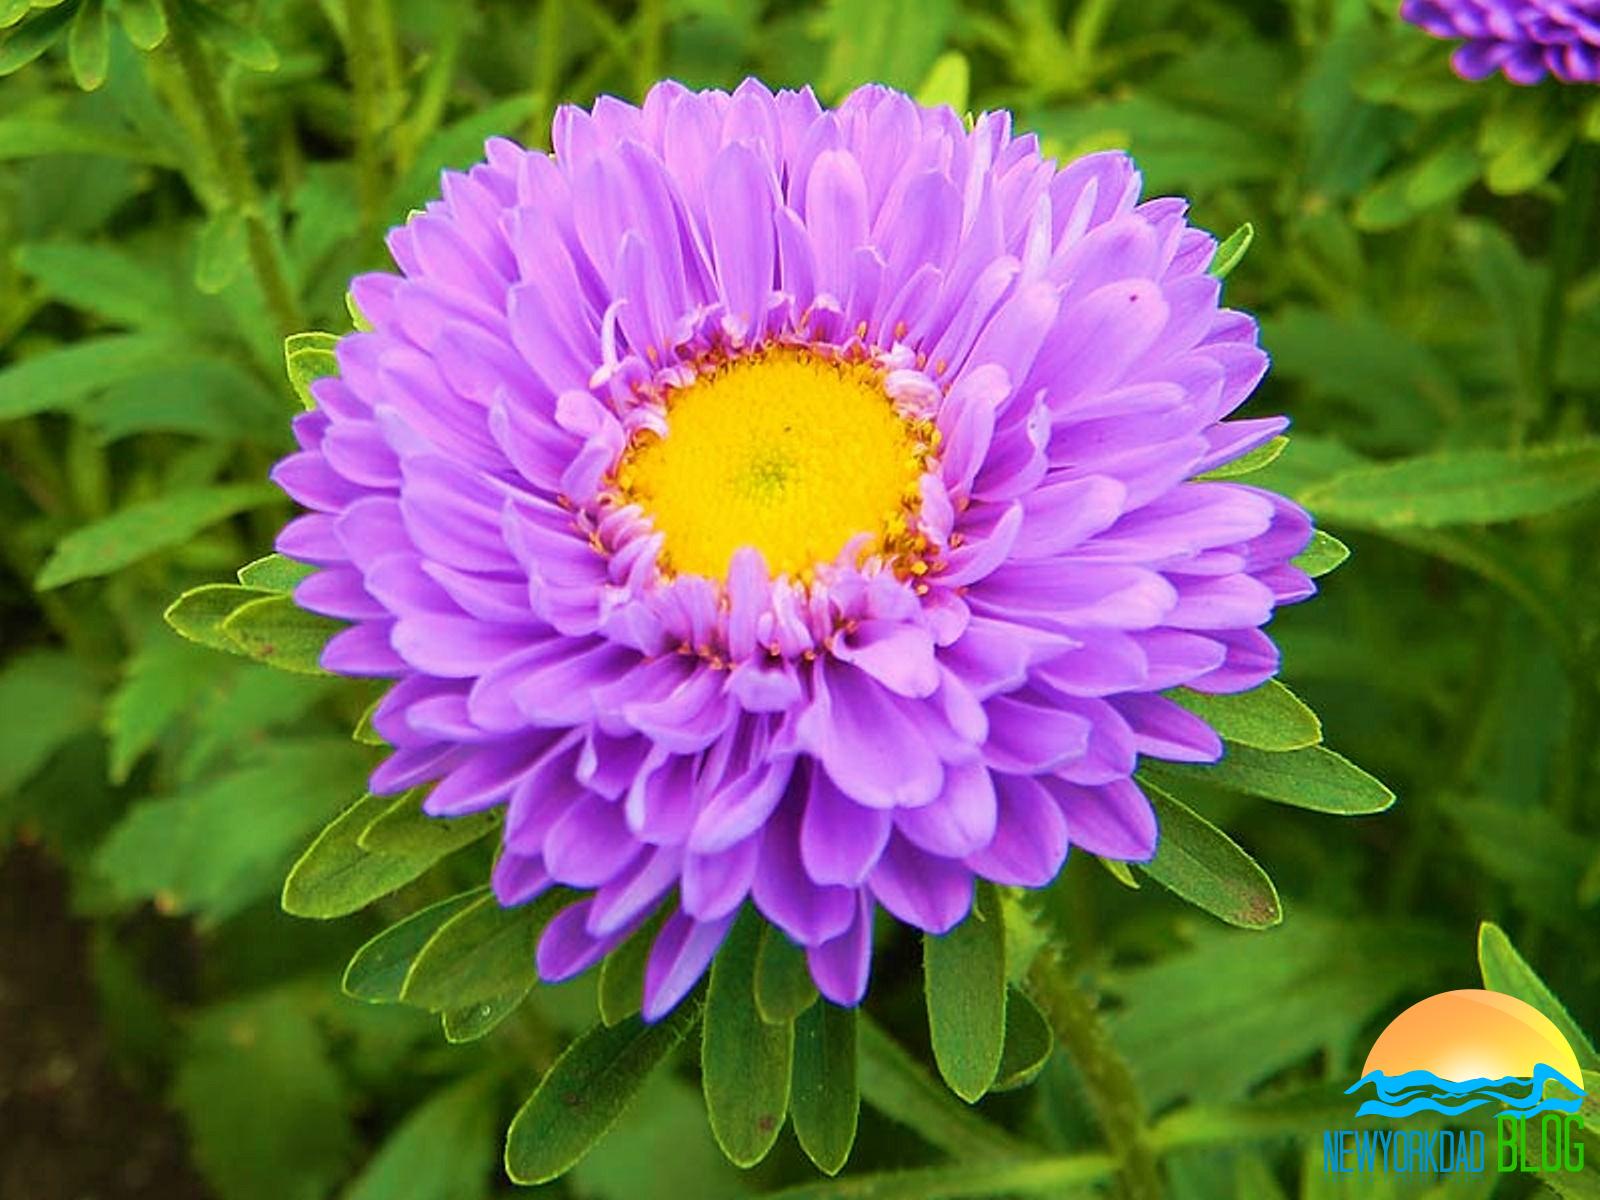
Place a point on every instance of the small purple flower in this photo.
(1524, 39)
(770, 503)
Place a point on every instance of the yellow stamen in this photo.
(786, 450)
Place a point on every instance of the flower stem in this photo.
(1574, 220)
(370, 58)
(1107, 1078)
(225, 144)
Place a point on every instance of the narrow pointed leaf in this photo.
(1247, 464)
(745, 1061)
(404, 830)
(826, 1104)
(279, 633)
(1232, 250)
(965, 981)
(1505, 970)
(1314, 778)
(1206, 867)
(1029, 1043)
(274, 573)
(784, 988)
(473, 1021)
(1324, 553)
(585, 1091)
(481, 953)
(1269, 717)
(1460, 487)
(145, 527)
(377, 971)
(198, 614)
(621, 988)
(336, 877)
(308, 357)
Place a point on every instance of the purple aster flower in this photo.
(770, 503)
(1521, 38)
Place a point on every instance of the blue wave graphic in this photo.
(1416, 1091)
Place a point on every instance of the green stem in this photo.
(225, 144)
(369, 54)
(1574, 220)
(1107, 1078)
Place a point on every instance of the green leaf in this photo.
(33, 137)
(377, 972)
(1323, 554)
(143, 22)
(784, 988)
(621, 987)
(1232, 250)
(1314, 778)
(145, 527)
(215, 848)
(481, 953)
(1029, 1043)
(744, 1060)
(336, 876)
(274, 573)
(1523, 138)
(948, 82)
(220, 251)
(237, 1055)
(1460, 487)
(965, 982)
(12, 11)
(60, 697)
(1269, 1001)
(1119, 871)
(826, 1101)
(24, 45)
(896, 1085)
(309, 356)
(1269, 717)
(1505, 970)
(474, 1021)
(893, 41)
(277, 632)
(1248, 463)
(405, 829)
(1206, 867)
(165, 679)
(89, 46)
(244, 46)
(198, 614)
(62, 379)
(364, 732)
(443, 1150)
(585, 1091)
(101, 280)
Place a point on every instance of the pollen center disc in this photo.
(785, 450)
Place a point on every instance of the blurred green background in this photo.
(1424, 267)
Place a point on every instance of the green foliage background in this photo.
(1425, 269)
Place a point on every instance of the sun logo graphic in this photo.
(1476, 1056)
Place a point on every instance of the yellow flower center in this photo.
(785, 450)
